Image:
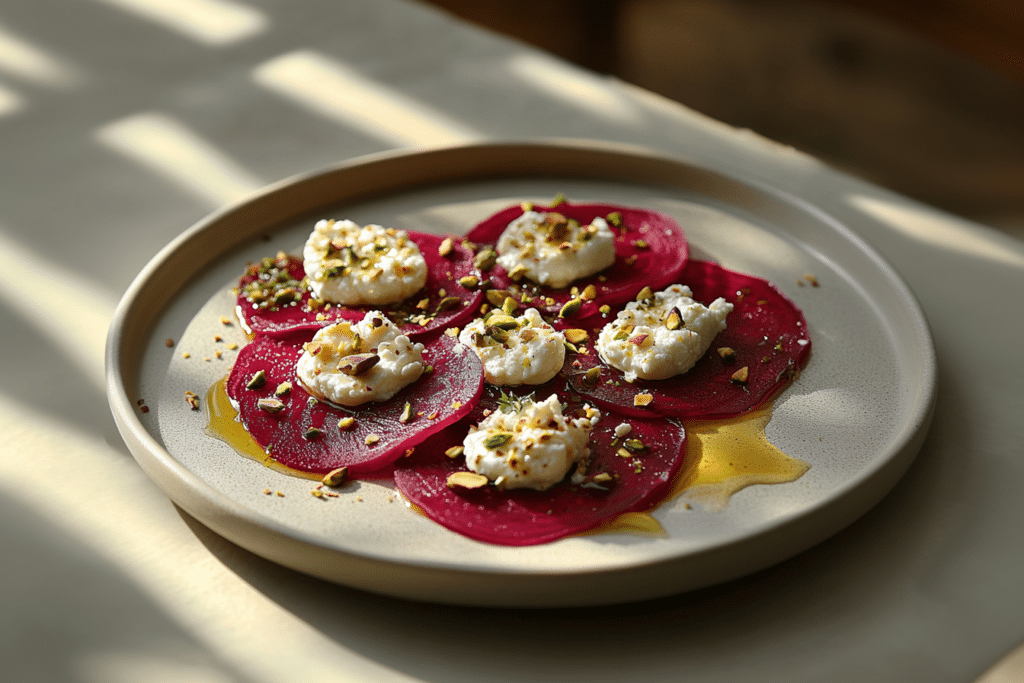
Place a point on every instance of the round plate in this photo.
(857, 414)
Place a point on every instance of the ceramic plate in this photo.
(857, 414)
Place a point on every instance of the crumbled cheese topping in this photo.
(351, 364)
(554, 250)
(531, 352)
(352, 265)
(534, 447)
(663, 336)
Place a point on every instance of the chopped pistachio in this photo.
(257, 380)
(640, 244)
(635, 446)
(589, 293)
(448, 303)
(509, 306)
(469, 281)
(614, 219)
(726, 353)
(571, 308)
(741, 376)
(346, 423)
(592, 376)
(406, 413)
(642, 399)
(605, 309)
(645, 294)
(371, 439)
(558, 200)
(486, 259)
(455, 451)
(576, 335)
(312, 433)
(466, 480)
(497, 440)
(283, 388)
(335, 477)
(358, 363)
(673, 320)
(517, 273)
(446, 247)
(270, 405)
(504, 322)
(496, 297)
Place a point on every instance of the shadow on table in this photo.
(52, 629)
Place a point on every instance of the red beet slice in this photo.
(766, 331)
(650, 249)
(438, 399)
(526, 517)
(273, 300)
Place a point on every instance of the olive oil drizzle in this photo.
(722, 457)
(226, 426)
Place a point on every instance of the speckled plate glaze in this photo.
(858, 413)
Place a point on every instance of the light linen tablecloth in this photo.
(122, 122)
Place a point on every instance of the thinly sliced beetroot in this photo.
(525, 517)
(657, 264)
(295, 315)
(438, 399)
(766, 331)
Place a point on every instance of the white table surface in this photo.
(122, 123)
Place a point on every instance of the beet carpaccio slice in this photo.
(283, 305)
(523, 517)
(765, 330)
(437, 399)
(650, 249)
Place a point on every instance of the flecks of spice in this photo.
(169, 343)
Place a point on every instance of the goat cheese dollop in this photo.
(352, 265)
(553, 250)
(523, 350)
(533, 446)
(662, 336)
(351, 364)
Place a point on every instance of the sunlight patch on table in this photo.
(929, 227)
(211, 22)
(10, 102)
(22, 59)
(170, 149)
(80, 331)
(575, 87)
(339, 92)
(82, 486)
(140, 667)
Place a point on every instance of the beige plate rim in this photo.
(383, 174)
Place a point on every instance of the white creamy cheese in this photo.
(532, 448)
(352, 265)
(554, 251)
(662, 337)
(531, 353)
(351, 364)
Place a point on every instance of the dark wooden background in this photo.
(923, 96)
